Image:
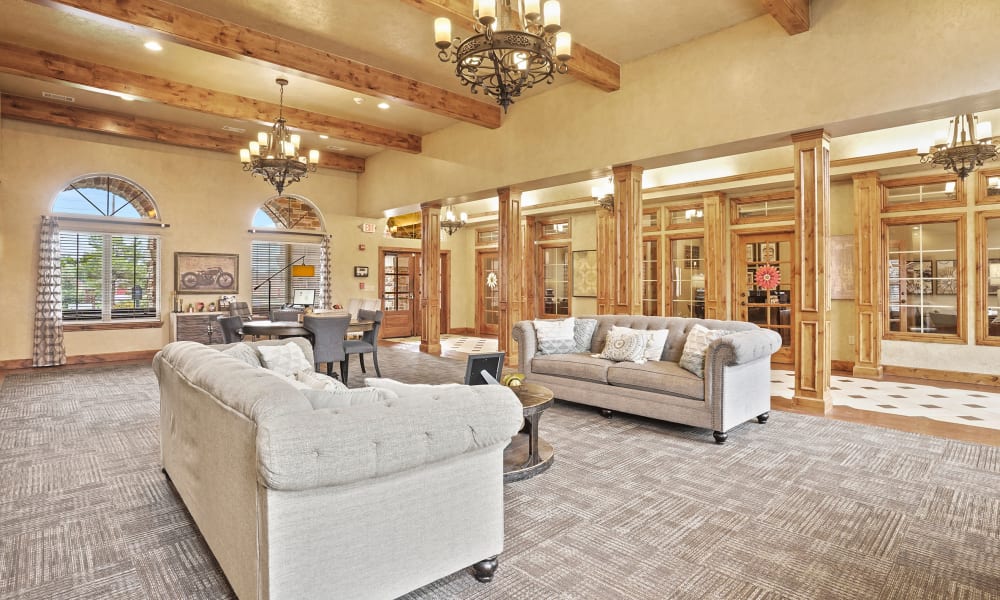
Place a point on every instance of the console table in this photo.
(196, 327)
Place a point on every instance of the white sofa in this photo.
(371, 499)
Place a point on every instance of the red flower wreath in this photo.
(767, 277)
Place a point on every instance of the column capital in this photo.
(809, 136)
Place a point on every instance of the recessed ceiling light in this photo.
(62, 97)
(233, 129)
(383, 105)
(336, 148)
(126, 97)
(358, 99)
(323, 136)
(153, 46)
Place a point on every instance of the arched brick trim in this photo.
(132, 192)
(293, 212)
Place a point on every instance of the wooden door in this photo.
(399, 294)
(488, 296)
(763, 276)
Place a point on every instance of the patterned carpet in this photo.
(801, 507)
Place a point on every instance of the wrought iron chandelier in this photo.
(512, 50)
(971, 143)
(451, 224)
(274, 156)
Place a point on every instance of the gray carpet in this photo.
(801, 507)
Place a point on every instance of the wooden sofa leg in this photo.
(484, 569)
(762, 418)
(607, 414)
(720, 437)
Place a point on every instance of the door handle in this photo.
(743, 303)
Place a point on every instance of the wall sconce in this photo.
(604, 195)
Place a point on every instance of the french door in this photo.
(763, 276)
(400, 289)
(488, 298)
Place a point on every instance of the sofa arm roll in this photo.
(524, 335)
(745, 346)
(339, 446)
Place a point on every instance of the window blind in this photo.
(268, 258)
(109, 276)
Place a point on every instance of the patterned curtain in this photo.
(325, 273)
(48, 344)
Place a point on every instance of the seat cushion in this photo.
(357, 347)
(657, 376)
(575, 366)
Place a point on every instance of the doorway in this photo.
(400, 275)
(764, 292)
(488, 298)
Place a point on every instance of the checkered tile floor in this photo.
(965, 407)
(465, 344)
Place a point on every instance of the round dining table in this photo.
(293, 328)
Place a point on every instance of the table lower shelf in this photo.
(516, 465)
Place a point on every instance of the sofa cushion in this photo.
(698, 340)
(286, 359)
(346, 398)
(555, 336)
(318, 381)
(575, 366)
(243, 352)
(583, 332)
(657, 376)
(407, 389)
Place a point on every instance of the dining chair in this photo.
(367, 344)
(241, 309)
(328, 341)
(231, 328)
(285, 315)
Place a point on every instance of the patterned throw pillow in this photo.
(583, 334)
(555, 337)
(319, 381)
(284, 360)
(243, 352)
(698, 340)
(625, 344)
(659, 339)
(346, 398)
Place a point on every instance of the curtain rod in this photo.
(113, 222)
(289, 232)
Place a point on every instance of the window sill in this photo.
(105, 325)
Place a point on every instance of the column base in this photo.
(870, 372)
(430, 348)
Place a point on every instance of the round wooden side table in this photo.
(528, 455)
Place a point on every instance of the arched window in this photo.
(274, 282)
(109, 272)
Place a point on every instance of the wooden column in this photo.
(811, 325)
(868, 275)
(605, 261)
(716, 263)
(430, 284)
(511, 264)
(628, 240)
(529, 281)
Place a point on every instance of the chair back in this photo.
(241, 309)
(353, 305)
(231, 328)
(328, 337)
(376, 317)
(285, 315)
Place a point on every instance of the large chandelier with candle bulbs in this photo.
(970, 143)
(275, 156)
(517, 44)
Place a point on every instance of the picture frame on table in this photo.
(206, 273)
(945, 282)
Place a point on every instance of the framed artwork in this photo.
(585, 273)
(206, 273)
(361, 271)
(945, 282)
(842, 267)
(918, 277)
(994, 275)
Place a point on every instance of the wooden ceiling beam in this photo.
(139, 128)
(586, 65)
(793, 15)
(228, 39)
(39, 64)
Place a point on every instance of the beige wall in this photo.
(583, 227)
(843, 315)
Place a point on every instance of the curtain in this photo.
(324, 273)
(48, 341)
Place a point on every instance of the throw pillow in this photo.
(287, 359)
(346, 398)
(243, 352)
(583, 334)
(406, 389)
(319, 381)
(659, 339)
(555, 337)
(698, 340)
(624, 345)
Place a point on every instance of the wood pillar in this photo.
(605, 261)
(529, 281)
(811, 325)
(430, 284)
(716, 263)
(627, 258)
(511, 265)
(868, 275)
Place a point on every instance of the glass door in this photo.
(487, 274)
(397, 294)
(650, 276)
(763, 264)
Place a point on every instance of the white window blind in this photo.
(267, 259)
(108, 277)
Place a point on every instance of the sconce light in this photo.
(604, 195)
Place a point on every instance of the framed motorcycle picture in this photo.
(206, 273)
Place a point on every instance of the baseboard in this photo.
(809, 406)
(844, 366)
(85, 359)
(462, 330)
(938, 375)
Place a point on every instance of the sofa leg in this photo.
(484, 569)
(720, 437)
(762, 418)
(607, 414)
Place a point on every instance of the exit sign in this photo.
(368, 227)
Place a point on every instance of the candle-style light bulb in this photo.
(254, 149)
(244, 155)
(552, 15)
(442, 32)
(564, 45)
(313, 157)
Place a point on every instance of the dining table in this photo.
(281, 329)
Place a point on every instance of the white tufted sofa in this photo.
(369, 500)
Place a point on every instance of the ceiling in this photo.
(230, 97)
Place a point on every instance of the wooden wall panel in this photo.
(430, 288)
(511, 264)
(868, 275)
(628, 240)
(606, 259)
(716, 258)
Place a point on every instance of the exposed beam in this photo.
(793, 15)
(224, 38)
(39, 64)
(586, 65)
(75, 117)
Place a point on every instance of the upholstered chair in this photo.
(241, 309)
(285, 315)
(231, 328)
(328, 340)
(367, 344)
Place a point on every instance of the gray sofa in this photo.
(736, 386)
(368, 499)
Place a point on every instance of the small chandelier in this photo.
(450, 224)
(274, 156)
(963, 153)
(604, 195)
(507, 55)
